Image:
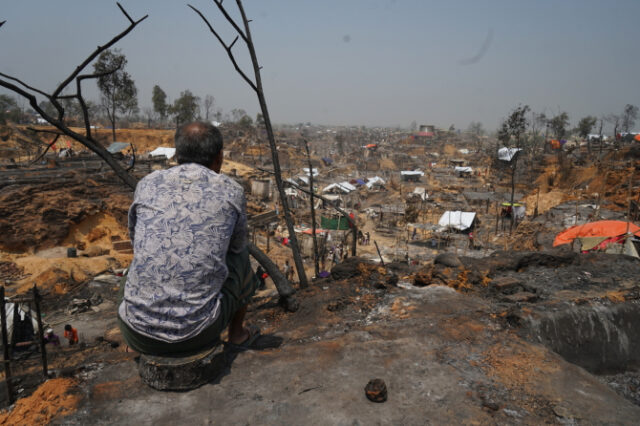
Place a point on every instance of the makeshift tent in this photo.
(344, 187)
(116, 147)
(411, 175)
(464, 151)
(507, 154)
(160, 151)
(327, 161)
(375, 181)
(637, 137)
(338, 223)
(601, 228)
(314, 171)
(421, 192)
(457, 219)
(461, 170)
(26, 325)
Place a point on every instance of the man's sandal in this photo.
(255, 341)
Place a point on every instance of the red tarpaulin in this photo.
(602, 228)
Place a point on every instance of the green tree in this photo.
(245, 122)
(513, 128)
(629, 117)
(159, 100)
(185, 108)
(559, 124)
(48, 107)
(9, 109)
(119, 93)
(207, 105)
(585, 125)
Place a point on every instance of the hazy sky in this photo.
(371, 62)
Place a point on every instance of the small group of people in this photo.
(70, 333)
(364, 238)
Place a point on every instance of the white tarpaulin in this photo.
(345, 187)
(411, 173)
(456, 219)
(464, 151)
(463, 169)
(376, 180)
(160, 151)
(314, 171)
(506, 154)
(421, 192)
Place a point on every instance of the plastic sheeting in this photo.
(376, 180)
(601, 228)
(160, 151)
(507, 154)
(345, 187)
(460, 169)
(457, 219)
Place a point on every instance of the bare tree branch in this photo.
(97, 52)
(125, 12)
(231, 21)
(227, 48)
(87, 139)
(2, 23)
(257, 87)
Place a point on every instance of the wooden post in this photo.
(378, 250)
(43, 349)
(268, 239)
(5, 346)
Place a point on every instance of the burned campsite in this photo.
(166, 261)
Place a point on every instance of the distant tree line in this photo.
(118, 104)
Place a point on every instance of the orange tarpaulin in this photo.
(602, 228)
(637, 137)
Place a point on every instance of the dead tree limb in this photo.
(313, 212)
(258, 89)
(29, 93)
(285, 289)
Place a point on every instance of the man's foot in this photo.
(241, 337)
(255, 341)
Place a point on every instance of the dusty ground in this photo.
(446, 357)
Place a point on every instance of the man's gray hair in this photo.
(198, 142)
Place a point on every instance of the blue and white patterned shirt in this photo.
(182, 223)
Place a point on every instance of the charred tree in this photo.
(313, 212)
(245, 35)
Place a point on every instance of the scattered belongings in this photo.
(507, 154)
(78, 306)
(457, 219)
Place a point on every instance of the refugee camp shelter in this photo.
(611, 236)
(261, 188)
(411, 175)
(507, 154)
(457, 220)
(21, 323)
(375, 183)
